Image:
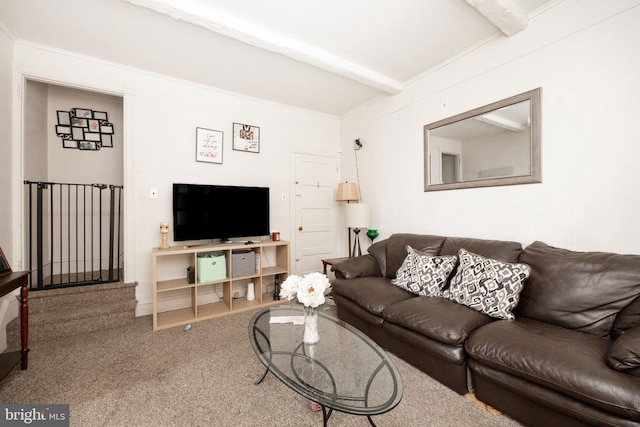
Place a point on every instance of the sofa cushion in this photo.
(501, 250)
(578, 290)
(437, 318)
(624, 353)
(487, 285)
(361, 266)
(371, 293)
(424, 274)
(557, 358)
(397, 249)
(379, 252)
(627, 318)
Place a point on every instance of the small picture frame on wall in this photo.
(246, 138)
(88, 145)
(209, 144)
(63, 118)
(69, 143)
(4, 264)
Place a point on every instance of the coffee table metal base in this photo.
(326, 412)
(346, 372)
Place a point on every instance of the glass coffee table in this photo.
(345, 371)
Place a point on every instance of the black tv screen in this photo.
(219, 212)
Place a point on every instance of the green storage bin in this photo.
(212, 266)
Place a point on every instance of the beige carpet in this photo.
(136, 377)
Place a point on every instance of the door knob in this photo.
(300, 228)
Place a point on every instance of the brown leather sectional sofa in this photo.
(570, 357)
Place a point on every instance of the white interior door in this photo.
(315, 179)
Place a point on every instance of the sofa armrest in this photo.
(624, 353)
(362, 266)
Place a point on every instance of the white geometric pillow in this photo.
(487, 285)
(424, 274)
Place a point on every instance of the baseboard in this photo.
(144, 309)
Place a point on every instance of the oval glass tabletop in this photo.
(345, 370)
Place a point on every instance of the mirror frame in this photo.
(535, 170)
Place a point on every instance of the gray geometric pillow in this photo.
(487, 285)
(424, 274)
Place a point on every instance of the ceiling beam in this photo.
(246, 32)
(504, 14)
(501, 122)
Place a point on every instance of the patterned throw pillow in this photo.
(488, 285)
(424, 274)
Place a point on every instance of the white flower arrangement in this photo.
(309, 290)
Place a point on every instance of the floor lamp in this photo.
(358, 215)
(348, 192)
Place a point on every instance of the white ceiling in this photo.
(311, 55)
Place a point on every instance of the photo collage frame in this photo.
(84, 129)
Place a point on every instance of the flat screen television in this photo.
(219, 212)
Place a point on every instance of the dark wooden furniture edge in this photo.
(8, 283)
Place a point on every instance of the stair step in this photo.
(62, 299)
(64, 312)
(48, 331)
(80, 312)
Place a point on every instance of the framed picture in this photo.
(69, 143)
(63, 130)
(84, 129)
(79, 122)
(92, 136)
(4, 264)
(88, 145)
(209, 145)
(246, 138)
(63, 118)
(77, 134)
(106, 140)
(94, 125)
(108, 128)
(83, 112)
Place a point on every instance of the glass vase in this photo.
(311, 335)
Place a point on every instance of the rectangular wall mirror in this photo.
(498, 144)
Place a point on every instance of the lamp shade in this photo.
(347, 192)
(357, 215)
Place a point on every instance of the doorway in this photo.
(73, 168)
(316, 177)
(450, 168)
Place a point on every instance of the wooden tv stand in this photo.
(177, 302)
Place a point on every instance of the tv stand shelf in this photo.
(177, 302)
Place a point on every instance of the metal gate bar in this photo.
(71, 238)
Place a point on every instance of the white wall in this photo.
(6, 99)
(104, 166)
(584, 55)
(8, 304)
(35, 132)
(160, 119)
